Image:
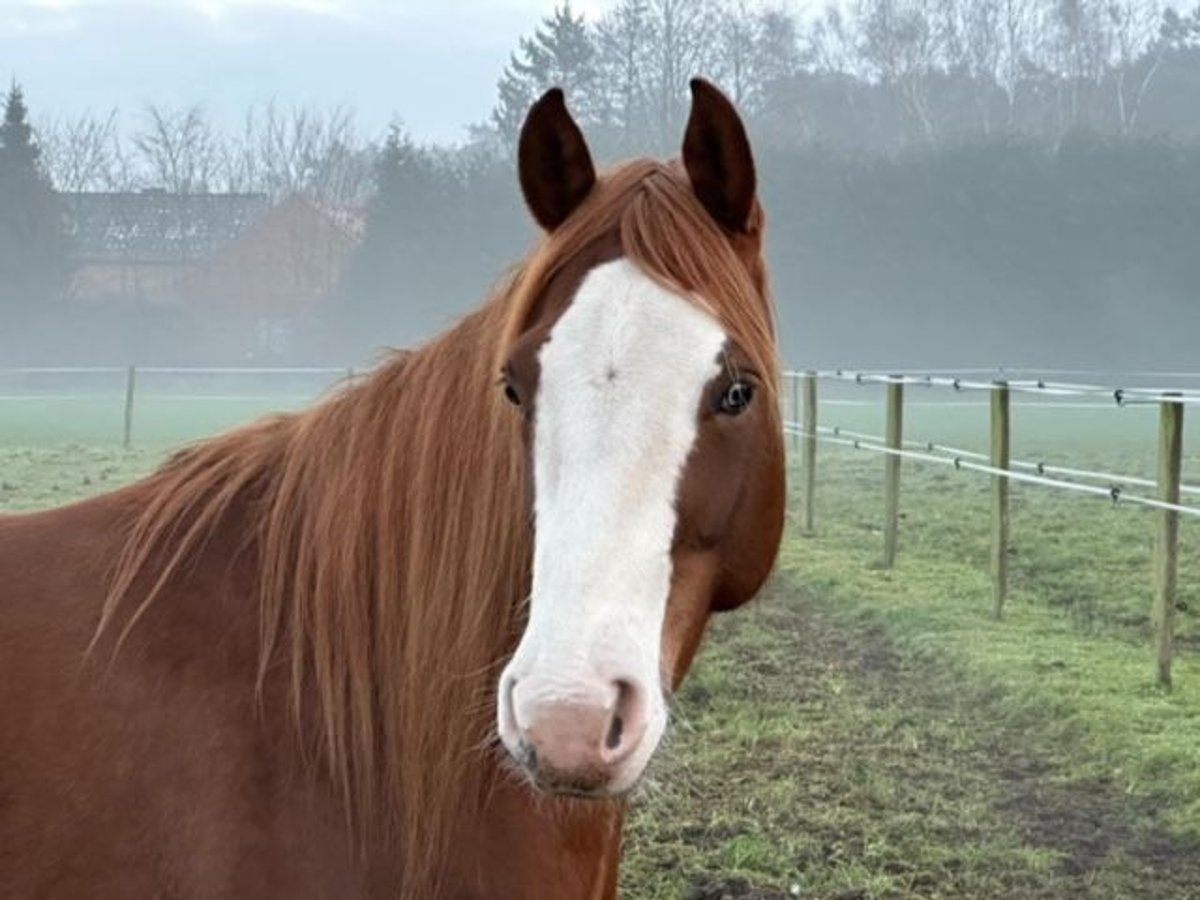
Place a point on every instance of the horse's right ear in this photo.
(716, 154)
(553, 161)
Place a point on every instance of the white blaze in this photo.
(622, 375)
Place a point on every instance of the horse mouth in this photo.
(595, 784)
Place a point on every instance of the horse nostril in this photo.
(581, 741)
(627, 725)
(613, 740)
(527, 756)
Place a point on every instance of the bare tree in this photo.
(767, 53)
(984, 51)
(681, 42)
(830, 45)
(972, 46)
(648, 51)
(622, 37)
(238, 166)
(1017, 22)
(777, 46)
(124, 173)
(80, 153)
(305, 150)
(736, 53)
(1081, 52)
(899, 46)
(1136, 55)
(949, 27)
(179, 151)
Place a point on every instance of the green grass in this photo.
(869, 733)
(158, 420)
(1072, 652)
(37, 477)
(859, 733)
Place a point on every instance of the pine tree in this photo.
(18, 150)
(407, 220)
(516, 94)
(560, 53)
(32, 240)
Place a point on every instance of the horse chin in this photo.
(598, 795)
(593, 787)
(612, 791)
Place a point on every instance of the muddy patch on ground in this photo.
(1090, 825)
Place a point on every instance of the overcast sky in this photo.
(432, 63)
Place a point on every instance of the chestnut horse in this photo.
(417, 641)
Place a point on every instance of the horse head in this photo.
(641, 359)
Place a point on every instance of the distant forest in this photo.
(948, 182)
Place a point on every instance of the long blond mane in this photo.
(391, 530)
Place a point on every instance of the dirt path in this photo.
(816, 760)
(1087, 824)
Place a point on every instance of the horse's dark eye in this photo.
(736, 398)
(510, 393)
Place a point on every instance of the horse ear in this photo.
(716, 154)
(553, 161)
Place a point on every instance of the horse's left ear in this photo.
(553, 161)
(716, 154)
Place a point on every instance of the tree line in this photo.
(949, 182)
(277, 151)
(881, 75)
(1013, 172)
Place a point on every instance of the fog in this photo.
(964, 183)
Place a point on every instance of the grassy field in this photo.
(859, 733)
(158, 421)
(862, 733)
(169, 407)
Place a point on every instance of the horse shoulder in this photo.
(148, 769)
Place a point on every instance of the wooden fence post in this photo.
(795, 397)
(130, 384)
(1001, 449)
(1166, 547)
(810, 450)
(891, 497)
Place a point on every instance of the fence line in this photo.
(1122, 396)
(160, 396)
(998, 466)
(173, 370)
(132, 374)
(1003, 470)
(1002, 373)
(1115, 494)
(1040, 468)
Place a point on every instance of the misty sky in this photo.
(432, 63)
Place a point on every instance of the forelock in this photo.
(663, 229)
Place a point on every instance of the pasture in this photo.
(860, 733)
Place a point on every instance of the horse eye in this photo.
(510, 394)
(736, 398)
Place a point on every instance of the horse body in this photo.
(380, 648)
(152, 776)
